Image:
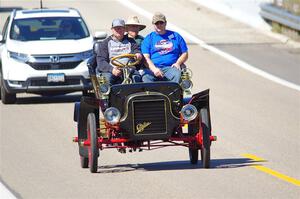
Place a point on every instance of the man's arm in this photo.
(135, 49)
(182, 58)
(157, 72)
(103, 58)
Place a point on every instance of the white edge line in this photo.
(5, 193)
(240, 63)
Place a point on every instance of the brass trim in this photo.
(95, 86)
(96, 82)
(141, 127)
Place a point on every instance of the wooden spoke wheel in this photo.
(93, 149)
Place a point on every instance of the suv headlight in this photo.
(87, 54)
(112, 115)
(18, 56)
(189, 112)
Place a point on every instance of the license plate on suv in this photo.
(56, 77)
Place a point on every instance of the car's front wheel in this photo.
(205, 156)
(93, 149)
(7, 98)
(205, 148)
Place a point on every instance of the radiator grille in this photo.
(151, 115)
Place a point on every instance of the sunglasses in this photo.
(159, 23)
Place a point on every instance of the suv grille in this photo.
(55, 62)
(51, 66)
(152, 113)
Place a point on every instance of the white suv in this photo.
(44, 51)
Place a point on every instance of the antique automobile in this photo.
(142, 116)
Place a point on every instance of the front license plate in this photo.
(56, 77)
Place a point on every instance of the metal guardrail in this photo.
(281, 16)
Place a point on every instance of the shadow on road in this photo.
(234, 163)
(178, 165)
(49, 99)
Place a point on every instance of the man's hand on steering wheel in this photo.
(116, 72)
(138, 56)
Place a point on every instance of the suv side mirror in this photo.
(1, 39)
(100, 35)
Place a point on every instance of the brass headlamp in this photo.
(103, 87)
(186, 82)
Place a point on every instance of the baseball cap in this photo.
(158, 17)
(118, 22)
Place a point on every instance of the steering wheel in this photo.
(116, 60)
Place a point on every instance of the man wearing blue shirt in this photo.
(165, 51)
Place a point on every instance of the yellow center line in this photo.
(270, 171)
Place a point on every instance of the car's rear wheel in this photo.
(93, 149)
(194, 155)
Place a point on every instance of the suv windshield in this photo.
(48, 28)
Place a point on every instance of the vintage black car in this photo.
(142, 116)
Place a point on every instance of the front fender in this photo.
(201, 102)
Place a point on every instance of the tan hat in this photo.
(134, 20)
(158, 17)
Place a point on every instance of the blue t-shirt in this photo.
(164, 50)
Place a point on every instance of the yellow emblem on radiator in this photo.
(141, 127)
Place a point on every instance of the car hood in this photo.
(50, 46)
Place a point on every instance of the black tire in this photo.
(7, 98)
(193, 147)
(93, 149)
(194, 155)
(205, 118)
(205, 148)
(84, 162)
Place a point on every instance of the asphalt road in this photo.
(250, 115)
